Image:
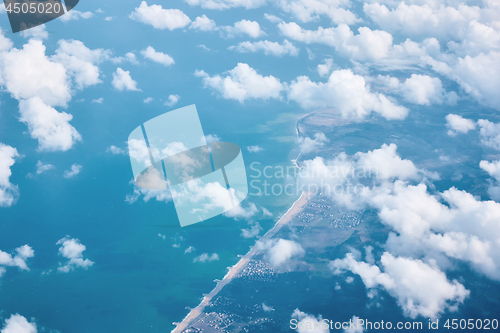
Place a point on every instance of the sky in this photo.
(73, 89)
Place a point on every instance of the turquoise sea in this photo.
(140, 282)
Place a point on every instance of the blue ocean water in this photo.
(139, 282)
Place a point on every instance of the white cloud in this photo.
(189, 250)
(240, 212)
(462, 229)
(243, 27)
(420, 289)
(172, 100)
(41, 167)
(272, 18)
(309, 10)
(123, 81)
(18, 324)
(75, 170)
(489, 133)
(204, 47)
(254, 149)
(308, 145)
(305, 323)
(72, 249)
(345, 91)
(480, 77)
(226, 4)
(129, 57)
(159, 57)
(148, 100)
(413, 20)
(160, 18)
(347, 173)
(458, 124)
(38, 32)
(19, 259)
(80, 62)
(492, 168)
(426, 90)
(355, 328)
(325, 67)
(116, 150)
(203, 23)
(205, 257)
(279, 252)
(243, 82)
(5, 43)
(51, 128)
(251, 232)
(366, 45)
(269, 48)
(28, 73)
(108, 18)
(98, 100)
(76, 15)
(8, 192)
(267, 308)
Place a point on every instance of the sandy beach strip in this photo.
(241, 264)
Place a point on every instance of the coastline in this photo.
(296, 208)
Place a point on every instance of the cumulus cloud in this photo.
(8, 192)
(38, 32)
(489, 133)
(420, 289)
(242, 83)
(205, 257)
(308, 145)
(29, 73)
(251, 232)
(452, 224)
(458, 124)
(325, 67)
(203, 23)
(18, 324)
(345, 91)
(75, 170)
(423, 90)
(306, 323)
(272, 18)
(128, 57)
(269, 48)
(340, 176)
(80, 62)
(116, 150)
(72, 249)
(147, 194)
(254, 149)
(366, 45)
(160, 18)
(50, 127)
(159, 57)
(309, 10)
(226, 4)
(42, 167)
(477, 75)
(492, 168)
(243, 27)
(172, 100)
(414, 20)
(280, 252)
(19, 259)
(76, 15)
(123, 81)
